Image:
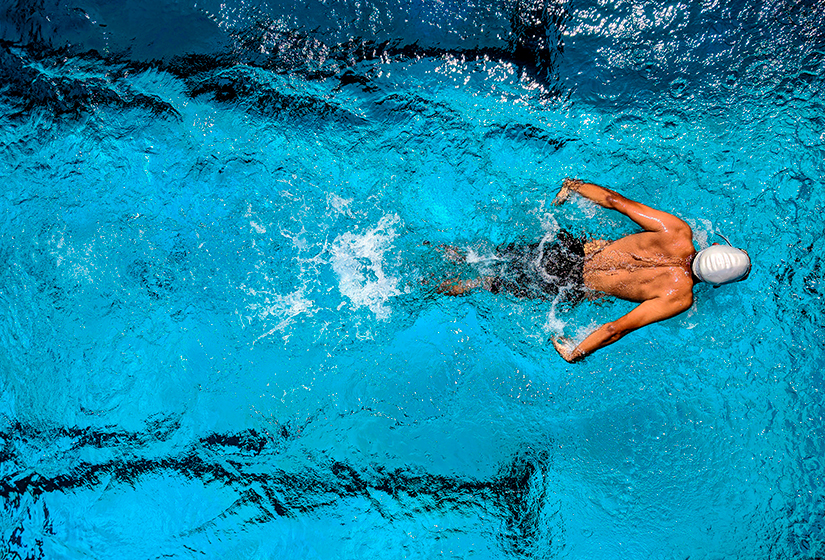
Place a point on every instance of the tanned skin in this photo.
(651, 268)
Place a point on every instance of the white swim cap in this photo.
(721, 264)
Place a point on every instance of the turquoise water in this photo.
(220, 337)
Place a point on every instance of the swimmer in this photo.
(656, 268)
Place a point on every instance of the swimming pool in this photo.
(219, 331)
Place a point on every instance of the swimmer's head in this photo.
(721, 264)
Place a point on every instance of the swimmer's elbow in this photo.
(614, 331)
(678, 304)
(617, 202)
(612, 200)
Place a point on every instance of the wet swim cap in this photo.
(721, 264)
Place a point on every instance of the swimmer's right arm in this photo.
(647, 312)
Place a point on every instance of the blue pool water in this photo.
(220, 337)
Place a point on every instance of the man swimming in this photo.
(656, 268)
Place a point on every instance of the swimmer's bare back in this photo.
(651, 267)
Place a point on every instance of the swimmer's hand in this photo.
(567, 186)
(566, 349)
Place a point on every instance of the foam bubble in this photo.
(358, 260)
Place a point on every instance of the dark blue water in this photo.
(219, 330)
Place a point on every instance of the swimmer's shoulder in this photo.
(679, 288)
(675, 225)
(682, 235)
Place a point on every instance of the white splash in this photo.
(338, 204)
(553, 324)
(583, 331)
(358, 260)
(480, 255)
(549, 224)
(587, 207)
(280, 309)
(701, 230)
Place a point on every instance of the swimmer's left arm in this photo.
(649, 218)
(650, 311)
